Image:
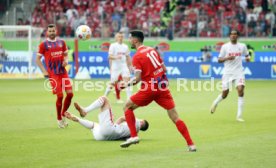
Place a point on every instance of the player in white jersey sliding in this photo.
(231, 55)
(120, 64)
(106, 129)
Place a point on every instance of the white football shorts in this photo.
(115, 73)
(229, 79)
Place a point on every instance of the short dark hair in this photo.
(51, 26)
(234, 31)
(145, 126)
(137, 34)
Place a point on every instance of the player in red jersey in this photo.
(151, 71)
(55, 53)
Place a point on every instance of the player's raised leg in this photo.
(220, 97)
(130, 119)
(240, 90)
(226, 80)
(99, 103)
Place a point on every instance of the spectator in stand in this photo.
(274, 31)
(3, 53)
(241, 16)
(270, 16)
(61, 25)
(200, 13)
(272, 6)
(242, 4)
(257, 9)
(116, 21)
(250, 15)
(225, 28)
(252, 22)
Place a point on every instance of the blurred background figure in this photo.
(251, 52)
(206, 54)
(3, 53)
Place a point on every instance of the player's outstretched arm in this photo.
(136, 79)
(120, 120)
(133, 81)
(40, 65)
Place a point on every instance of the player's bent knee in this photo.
(60, 95)
(104, 98)
(70, 94)
(129, 105)
(225, 94)
(105, 102)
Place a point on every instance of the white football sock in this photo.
(107, 91)
(128, 92)
(218, 99)
(240, 107)
(86, 123)
(96, 104)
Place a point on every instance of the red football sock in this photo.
(117, 90)
(182, 128)
(130, 119)
(59, 105)
(67, 102)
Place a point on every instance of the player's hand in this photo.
(247, 59)
(46, 75)
(231, 57)
(65, 63)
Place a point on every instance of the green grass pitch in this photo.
(29, 136)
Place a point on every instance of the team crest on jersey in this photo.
(273, 70)
(205, 71)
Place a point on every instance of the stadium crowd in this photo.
(181, 18)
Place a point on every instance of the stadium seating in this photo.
(190, 18)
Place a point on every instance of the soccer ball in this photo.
(83, 32)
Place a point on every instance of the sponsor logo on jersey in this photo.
(205, 71)
(273, 70)
(56, 54)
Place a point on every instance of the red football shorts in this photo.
(161, 97)
(60, 83)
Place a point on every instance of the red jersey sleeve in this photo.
(136, 63)
(41, 49)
